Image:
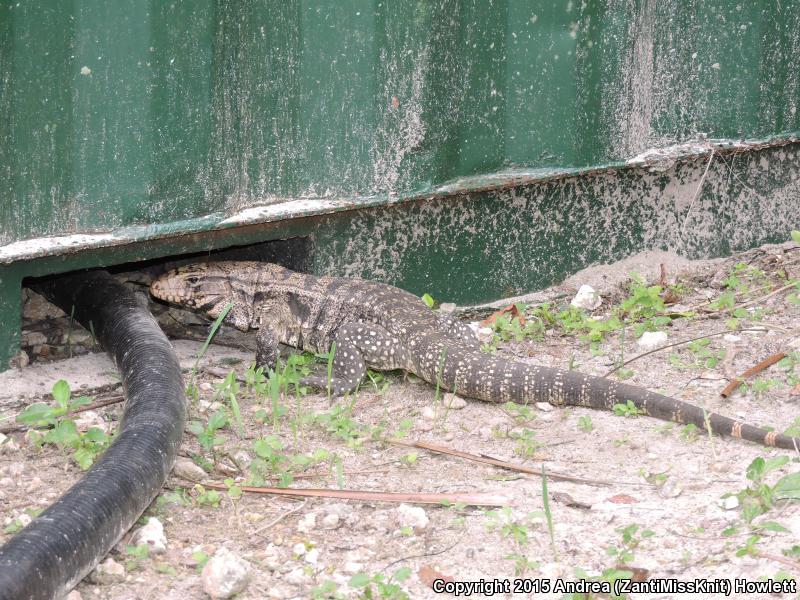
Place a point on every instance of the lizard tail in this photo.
(498, 380)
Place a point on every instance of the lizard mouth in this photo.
(162, 289)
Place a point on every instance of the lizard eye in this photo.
(192, 279)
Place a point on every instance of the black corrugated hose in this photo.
(61, 546)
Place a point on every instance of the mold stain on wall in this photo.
(487, 245)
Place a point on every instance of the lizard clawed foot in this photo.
(337, 387)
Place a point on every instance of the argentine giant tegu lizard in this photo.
(383, 327)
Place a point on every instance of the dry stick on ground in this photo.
(680, 343)
(783, 288)
(767, 362)
(281, 517)
(468, 498)
(222, 373)
(496, 462)
(320, 475)
(781, 559)
(432, 553)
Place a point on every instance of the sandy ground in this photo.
(657, 506)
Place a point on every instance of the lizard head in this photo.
(203, 287)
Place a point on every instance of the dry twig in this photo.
(481, 458)
(468, 498)
(767, 362)
(672, 345)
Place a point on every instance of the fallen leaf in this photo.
(427, 575)
(511, 309)
(638, 574)
(622, 499)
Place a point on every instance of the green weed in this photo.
(628, 409)
(62, 432)
(389, 589)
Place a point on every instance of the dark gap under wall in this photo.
(49, 334)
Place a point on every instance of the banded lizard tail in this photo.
(384, 328)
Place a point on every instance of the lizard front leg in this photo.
(359, 345)
(456, 329)
(267, 351)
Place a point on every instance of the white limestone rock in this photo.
(225, 574)
(586, 298)
(652, 339)
(152, 534)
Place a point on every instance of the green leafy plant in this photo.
(191, 387)
(644, 301)
(526, 445)
(512, 327)
(327, 590)
(205, 497)
(520, 413)
(339, 422)
(585, 423)
(227, 391)
(690, 432)
(759, 497)
(632, 536)
(135, 556)
(201, 558)
(379, 381)
(63, 432)
(207, 435)
(41, 414)
(390, 588)
(548, 513)
(522, 564)
(628, 409)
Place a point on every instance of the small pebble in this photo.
(652, 339)
(225, 574)
(152, 534)
(484, 334)
(330, 521)
(429, 412)
(108, 572)
(21, 359)
(307, 523)
(187, 469)
(352, 567)
(672, 488)
(407, 515)
(297, 577)
(8, 445)
(453, 402)
(91, 418)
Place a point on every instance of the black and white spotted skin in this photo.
(382, 327)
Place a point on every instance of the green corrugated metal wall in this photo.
(467, 148)
(138, 111)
